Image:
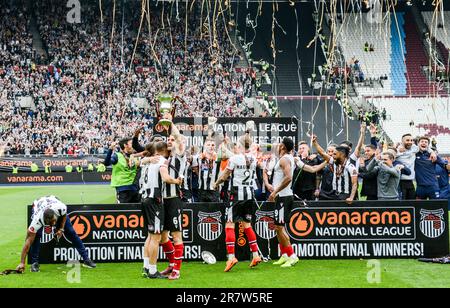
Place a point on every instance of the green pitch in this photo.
(309, 273)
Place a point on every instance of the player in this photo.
(50, 211)
(173, 205)
(153, 177)
(207, 167)
(284, 197)
(242, 168)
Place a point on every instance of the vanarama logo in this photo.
(106, 226)
(301, 224)
(241, 241)
(304, 222)
(81, 225)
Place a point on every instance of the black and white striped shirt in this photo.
(243, 168)
(150, 182)
(342, 177)
(208, 172)
(40, 206)
(176, 166)
(187, 176)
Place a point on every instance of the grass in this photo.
(308, 273)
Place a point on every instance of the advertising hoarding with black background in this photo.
(319, 230)
(266, 131)
(54, 178)
(55, 163)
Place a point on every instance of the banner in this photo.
(54, 178)
(366, 229)
(267, 130)
(116, 233)
(55, 163)
(320, 230)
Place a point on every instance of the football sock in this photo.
(251, 236)
(178, 256)
(169, 250)
(230, 238)
(152, 269)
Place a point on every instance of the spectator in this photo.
(79, 83)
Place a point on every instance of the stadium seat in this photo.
(431, 117)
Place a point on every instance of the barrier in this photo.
(54, 178)
(321, 230)
(55, 163)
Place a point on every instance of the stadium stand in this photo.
(355, 31)
(293, 45)
(418, 116)
(71, 72)
(440, 30)
(398, 73)
(85, 93)
(416, 59)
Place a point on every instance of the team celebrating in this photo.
(163, 175)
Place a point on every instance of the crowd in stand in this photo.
(85, 95)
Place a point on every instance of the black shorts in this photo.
(173, 214)
(128, 196)
(283, 209)
(153, 212)
(238, 211)
(208, 196)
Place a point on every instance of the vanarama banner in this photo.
(318, 230)
(266, 130)
(55, 163)
(54, 178)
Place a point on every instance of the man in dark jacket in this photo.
(324, 179)
(426, 177)
(369, 178)
(304, 183)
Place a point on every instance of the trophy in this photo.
(164, 108)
